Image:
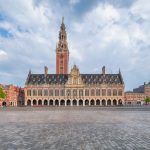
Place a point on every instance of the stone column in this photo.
(83, 102)
(77, 102)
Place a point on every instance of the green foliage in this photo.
(2, 93)
(147, 100)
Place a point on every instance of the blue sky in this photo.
(114, 33)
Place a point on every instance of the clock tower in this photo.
(62, 52)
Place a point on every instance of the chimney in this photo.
(45, 70)
(103, 70)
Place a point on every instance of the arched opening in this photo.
(103, 102)
(51, 102)
(34, 102)
(92, 102)
(29, 102)
(86, 102)
(97, 102)
(80, 102)
(62, 102)
(56, 102)
(120, 102)
(4, 104)
(45, 102)
(39, 102)
(138, 103)
(74, 102)
(114, 102)
(109, 102)
(68, 102)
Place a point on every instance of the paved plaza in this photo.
(74, 128)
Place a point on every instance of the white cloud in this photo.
(3, 55)
(105, 35)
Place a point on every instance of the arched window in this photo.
(103, 92)
(114, 92)
(45, 92)
(86, 92)
(75, 92)
(51, 92)
(109, 92)
(92, 92)
(56, 92)
(34, 92)
(62, 92)
(120, 92)
(97, 92)
(39, 92)
(28, 92)
(68, 92)
(81, 92)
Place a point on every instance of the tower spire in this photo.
(62, 52)
(62, 19)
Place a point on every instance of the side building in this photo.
(138, 95)
(14, 96)
(74, 89)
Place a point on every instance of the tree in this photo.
(147, 100)
(2, 93)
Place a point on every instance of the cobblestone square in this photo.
(74, 129)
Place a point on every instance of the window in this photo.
(86, 92)
(68, 92)
(51, 92)
(92, 92)
(80, 92)
(45, 92)
(62, 93)
(56, 92)
(97, 92)
(40, 92)
(74, 92)
(114, 92)
(120, 92)
(28, 92)
(34, 92)
(109, 92)
(61, 61)
(103, 92)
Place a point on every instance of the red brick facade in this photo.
(14, 96)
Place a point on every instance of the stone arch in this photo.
(114, 102)
(120, 102)
(40, 102)
(97, 102)
(86, 102)
(74, 102)
(45, 102)
(68, 102)
(56, 102)
(34, 102)
(51, 102)
(62, 102)
(80, 102)
(103, 102)
(109, 102)
(4, 103)
(28, 102)
(92, 102)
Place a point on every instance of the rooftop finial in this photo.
(63, 19)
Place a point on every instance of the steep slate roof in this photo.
(38, 79)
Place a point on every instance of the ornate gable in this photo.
(74, 78)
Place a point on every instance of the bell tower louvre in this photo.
(62, 52)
